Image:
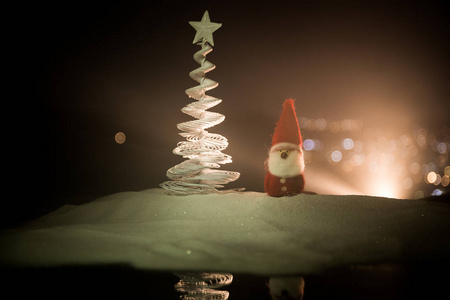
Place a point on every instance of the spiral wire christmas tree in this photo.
(198, 174)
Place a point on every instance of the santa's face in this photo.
(285, 160)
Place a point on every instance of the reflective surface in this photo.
(383, 281)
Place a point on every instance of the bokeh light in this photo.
(431, 177)
(442, 148)
(419, 195)
(308, 145)
(408, 183)
(445, 180)
(378, 161)
(336, 156)
(437, 192)
(414, 168)
(321, 124)
(447, 170)
(120, 138)
(347, 144)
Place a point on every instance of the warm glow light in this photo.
(405, 140)
(120, 137)
(431, 177)
(445, 180)
(385, 187)
(347, 166)
(379, 161)
(447, 170)
(373, 167)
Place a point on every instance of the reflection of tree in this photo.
(202, 286)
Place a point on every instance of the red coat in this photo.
(278, 187)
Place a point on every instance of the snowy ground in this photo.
(244, 232)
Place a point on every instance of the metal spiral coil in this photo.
(202, 148)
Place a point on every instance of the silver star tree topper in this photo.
(205, 29)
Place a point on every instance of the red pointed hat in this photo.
(287, 129)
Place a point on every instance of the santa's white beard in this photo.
(290, 166)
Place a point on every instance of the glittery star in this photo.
(205, 29)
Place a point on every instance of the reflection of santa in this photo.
(285, 164)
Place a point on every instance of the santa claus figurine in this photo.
(285, 164)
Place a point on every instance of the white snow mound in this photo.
(244, 232)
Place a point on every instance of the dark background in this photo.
(81, 71)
